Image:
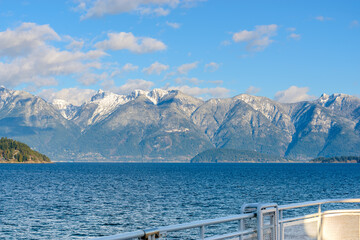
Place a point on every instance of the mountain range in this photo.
(162, 125)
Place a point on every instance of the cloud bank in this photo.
(156, 68)
(75, 96)
(294, 94)
(258, 39)
(127, 41)
(128, 87)
(100, 8)
(185, 68)
(30, 59)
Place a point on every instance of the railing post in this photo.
(241, 228)
(319, 223)
(202, 232)
(260, 222)
(281, 226)
(274, 221)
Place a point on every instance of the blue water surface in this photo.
(83, 200)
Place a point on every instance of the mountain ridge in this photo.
(168, 125)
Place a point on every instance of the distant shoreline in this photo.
(28, 162)
(177, 162)
(167, 162)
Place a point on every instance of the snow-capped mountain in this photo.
(162, 125)
(102, 104)
(66, 109)
(340, 103)
(32, 120)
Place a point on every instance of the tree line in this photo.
(337, 159)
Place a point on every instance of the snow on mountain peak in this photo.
(156, 95)
(326, 100)
(324, 96)
(4, 93)
(247, 98)
(66, 109)
(60, 104)
(99, 95)
(107, 102)
(339, 103)
(136, 93)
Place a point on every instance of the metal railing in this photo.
(319, 220)
(261, 221)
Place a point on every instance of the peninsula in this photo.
(12, 151)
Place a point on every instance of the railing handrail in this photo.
(318, 202)
(124, 236)
(207, 222)
(178, 227)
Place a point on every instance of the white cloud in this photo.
(323, 19)
(156, 68)
(154, 11)
(75, 96)
(25, 38)
(252, 90)
(74, 44)
(212, 67)
(257, 39)
(123, 40)
(41, 68)
(128, 87)
(217, 92)
(173, 25)
(295, 36)
(185, 68)
(129, 67)
(294, 94)
(31, 60)
(100, 8)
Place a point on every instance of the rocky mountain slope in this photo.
(165, 125)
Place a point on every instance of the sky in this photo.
(288, 51)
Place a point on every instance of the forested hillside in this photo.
(14, 151)
(342, 159)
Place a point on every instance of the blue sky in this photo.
(284, 50)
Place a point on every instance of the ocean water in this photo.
(84, 200)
